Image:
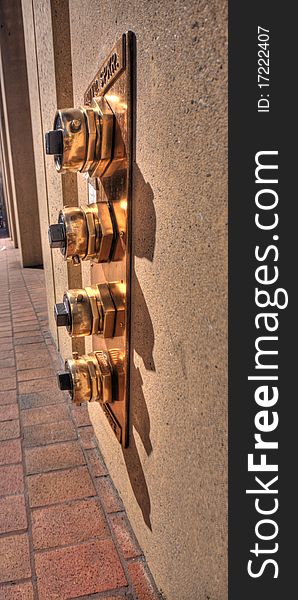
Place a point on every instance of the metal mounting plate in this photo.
(114, 81)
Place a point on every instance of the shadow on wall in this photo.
(144, 226)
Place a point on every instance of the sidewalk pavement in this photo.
(63, 529)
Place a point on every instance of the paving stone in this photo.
(11, 480)
(125, 537)
(7, 372)
(40, 399)
(30, 320)
(38, 385)
(26, 328)
(5, 348)
(6, 340)
(9, 397)
(47, 433)
(41, 373)
(26, 311)
(108, 494)
(87, 437)
(12, 514)
(10, 452)
(9, 412)
(81, 415)
(8, 360)
(45, 414)
(6, 353)
(9, 429)
(28, 340)
(31, 361)
(79, 570)
(9, 383)
(31, 349)
(23, 334)
(95, 462)
(142, 583)
(55, 456)
(6, 333)
(69, 523)
(17, 591)
(14, 558)
(58, 486)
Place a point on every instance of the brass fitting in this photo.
(82, 138)
(99, 309)
(95, 377)
(84, 233)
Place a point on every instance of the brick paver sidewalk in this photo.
(63, 529)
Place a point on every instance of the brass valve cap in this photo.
(79, 312)
(68, 139)
(76, 232)
(81, 388)
(84, 233)
(82, 138)
(97, 376)
(98, 309)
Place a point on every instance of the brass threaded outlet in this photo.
(96, 377)
(85, 233)
(82, 138)
(98, 309)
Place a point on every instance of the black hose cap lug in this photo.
(61, 315)
(54, 142)
(64, 381)
(57, 237)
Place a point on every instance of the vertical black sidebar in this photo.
(263, 306)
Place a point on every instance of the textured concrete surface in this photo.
(34, 94)
(6, 178)
(173, 477)
(64, 533)
(16, 114)
(46, 26)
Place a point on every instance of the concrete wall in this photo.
(17, 139)
(6, 178)
(46, 31)
(173, 477)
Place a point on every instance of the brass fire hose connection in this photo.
(82, 138)
(99, 309)
(84, 233)
(95, 377)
